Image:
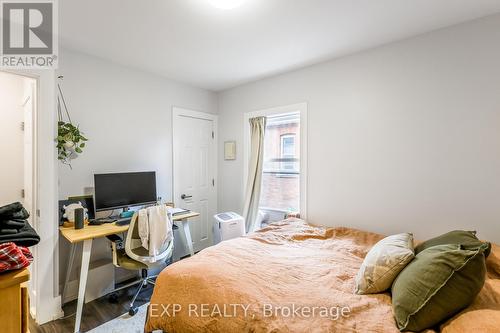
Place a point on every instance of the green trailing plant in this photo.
(70, 140)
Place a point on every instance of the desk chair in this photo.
(135, 257)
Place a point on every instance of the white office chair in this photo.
(135, 257)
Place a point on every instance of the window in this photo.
(287, 151)
(284, 186)
(281, 172)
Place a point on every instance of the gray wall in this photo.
(405, 137)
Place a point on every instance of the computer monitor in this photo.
(122, 190)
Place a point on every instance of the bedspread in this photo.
(288, 277)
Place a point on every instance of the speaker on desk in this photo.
(79, 217)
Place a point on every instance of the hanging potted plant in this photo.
(70, 140)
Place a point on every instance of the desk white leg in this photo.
(176, 255)
(187, 234)
(87, 247)
(69, 268)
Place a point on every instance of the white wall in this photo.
(127, 117)
(405, 137)
(12, 147)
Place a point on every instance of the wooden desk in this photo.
(87, 234)
(14, 301)
(98, 231)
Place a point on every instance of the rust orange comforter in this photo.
(291, 277)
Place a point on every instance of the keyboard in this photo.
(101, 221)
(124, 221)
(106, 220)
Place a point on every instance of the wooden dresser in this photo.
(14, 307)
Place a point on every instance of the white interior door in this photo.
(195, 171)
(12, 143)
(28, 108)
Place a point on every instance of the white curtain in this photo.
(254, 181)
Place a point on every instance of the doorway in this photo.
(194, 170)
(18, 103)
(16, 147)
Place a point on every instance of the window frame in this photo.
(282, 151)
(300, 108)
(282, 144)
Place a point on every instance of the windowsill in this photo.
(276, 210)
(282, 172)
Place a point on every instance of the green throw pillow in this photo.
(467, 239)
(438, 283)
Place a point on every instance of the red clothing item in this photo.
(14, 257)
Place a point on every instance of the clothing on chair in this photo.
(160, 229)
(143, 227)
(155, 228)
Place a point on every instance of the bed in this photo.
(292, 277)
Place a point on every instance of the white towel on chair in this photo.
(143, 227)
(160, 229)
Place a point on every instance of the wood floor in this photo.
(95, 313)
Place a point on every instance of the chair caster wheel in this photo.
(132, 311)
(113, 298)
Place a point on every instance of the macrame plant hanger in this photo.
(70, 140)
(60, 97)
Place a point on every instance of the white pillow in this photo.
(383, 263)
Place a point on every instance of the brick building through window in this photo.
(281, 170)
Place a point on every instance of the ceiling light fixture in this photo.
(226, 4)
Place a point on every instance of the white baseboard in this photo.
(55, 313)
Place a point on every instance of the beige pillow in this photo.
(383, 263)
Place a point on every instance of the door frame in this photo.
(300, 107)
(44, 285)
(177, 112)
(33, 268)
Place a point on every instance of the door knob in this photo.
(183, 196)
